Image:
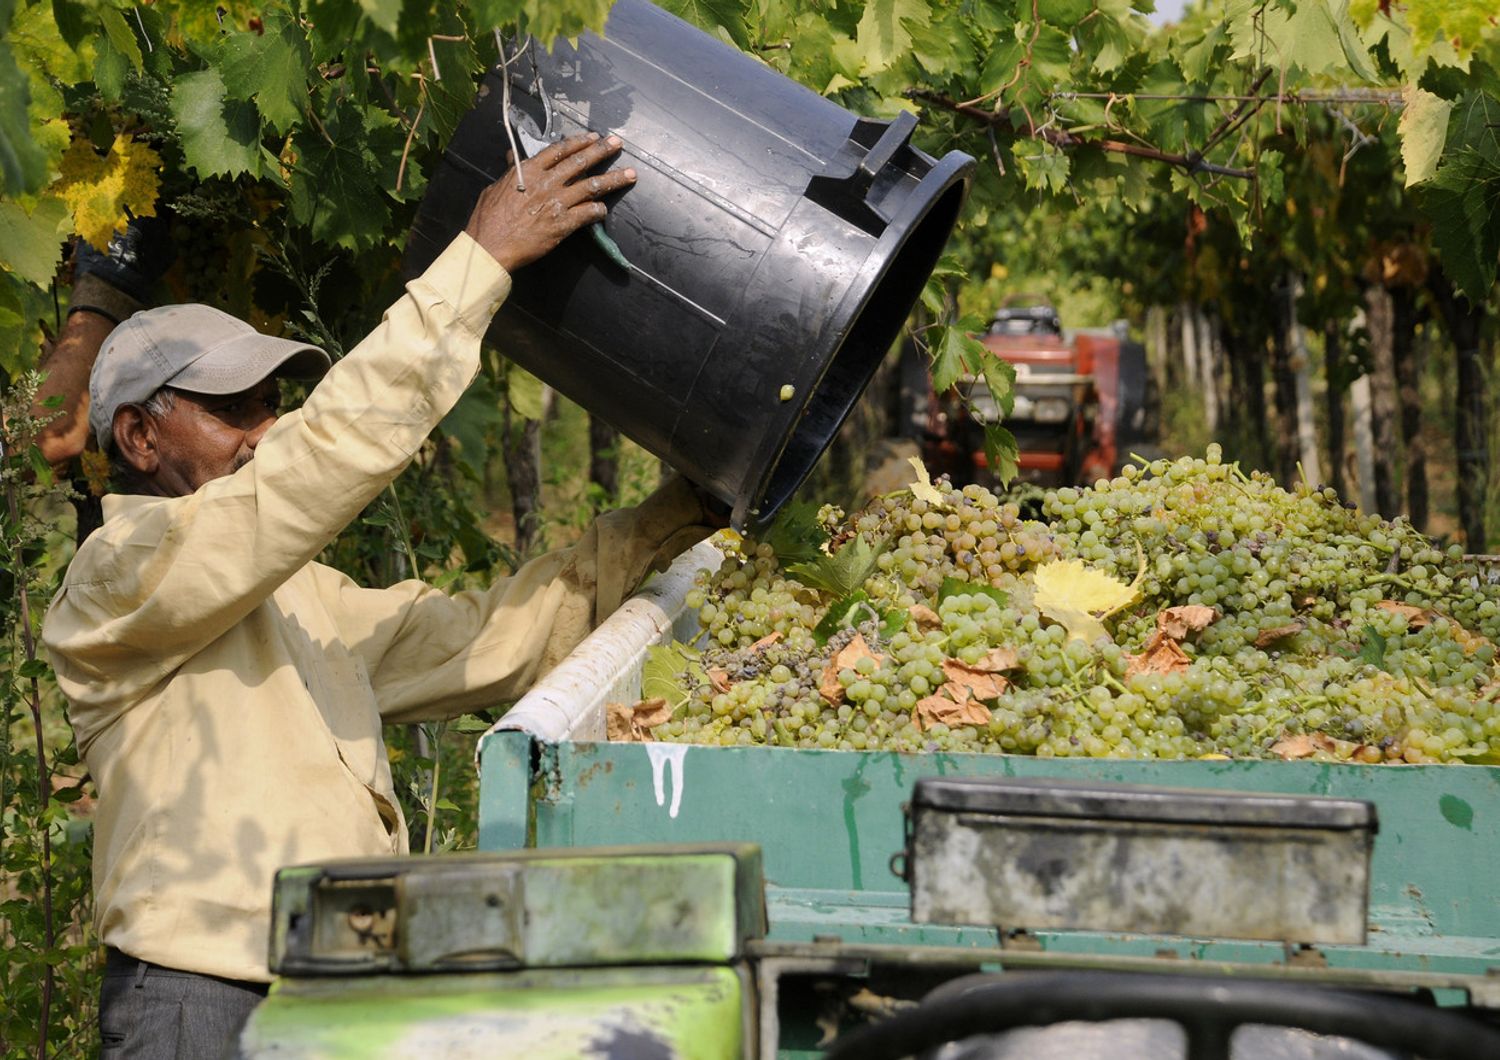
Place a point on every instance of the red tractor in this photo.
(1082, 399)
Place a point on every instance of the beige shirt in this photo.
(228, 692)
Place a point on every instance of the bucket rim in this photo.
(953, 168)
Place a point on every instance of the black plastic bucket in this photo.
(776, 244)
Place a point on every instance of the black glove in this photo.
(135, 260)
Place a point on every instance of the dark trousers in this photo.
(147, 1012)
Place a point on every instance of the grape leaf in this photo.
(111, 68)
(23, 165)
(1043, 166)
(219, 136)
(1463, 200)
(883, 35)
(270, 68)
(1065, 13)
(943, 46)
(952, 350)
(922, 488)
(957, 586)
(797, 535)
(1000, 378)
(383, 13)
(469, 422)
(31, 243)
(1072, 594)
(1195, 60)
(100, 190)
(121, 38)
(1423, 128)
(713, 14)
(849, 611)
(336, 193)
(1001, 452)
(842, 573)
(670, 672)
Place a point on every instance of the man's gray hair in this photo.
(121, 473)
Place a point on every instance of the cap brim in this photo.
(241, 363)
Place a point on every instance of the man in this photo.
(227, 691)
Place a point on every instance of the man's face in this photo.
(208, 436)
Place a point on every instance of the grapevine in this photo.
(1260, 622)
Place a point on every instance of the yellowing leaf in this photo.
(1423, 128)
(100, 191)
(922, 488)
(1073, 595)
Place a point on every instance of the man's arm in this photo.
(182, 571)
(107, 288)
(432, 655)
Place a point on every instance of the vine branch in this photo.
(1065, 140)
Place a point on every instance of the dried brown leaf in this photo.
(925, 617)
(719, 678)
(1178, 622)
(829, 687)
(1308, 744)
(966, 681)
(633, 722)
(1163, 655)
(1267, 637)
(766, 641)
(1416, 617)
(998, 660)
(939, 708)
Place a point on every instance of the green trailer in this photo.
(799, 895)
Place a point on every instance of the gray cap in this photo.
(188, 347)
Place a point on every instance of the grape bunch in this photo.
(1261, 622)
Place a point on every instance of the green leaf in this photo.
(796, 535)
(842, 573)
(959, 587)
(1424, 129)
(947, 347)
(384, 13)
(31, 245)
(23, 165)
(269, 67)
(470, 724)
(1065, 13)
(1463, 200)
(1197, 59)
(1372, 650)
(219, 136)
(120, 35)
(22, 306)
(943, 46)
(1001, 452)
(1000, 377)
(72, 21)
(855, 609)
(111, 68)
(445, 804)
(729, 15)
(883, 35)
(32, 669)
(1043, 166)
(670, 672)
(336, 193)
(523, 391)
(470, 422)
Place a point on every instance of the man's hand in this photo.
(517, 227)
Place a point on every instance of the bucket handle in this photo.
(847, 195)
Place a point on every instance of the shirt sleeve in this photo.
(434, 655)
(154, 590)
